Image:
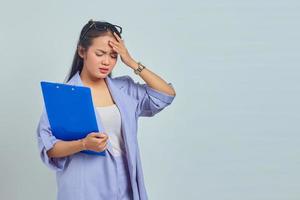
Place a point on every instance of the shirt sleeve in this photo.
(45, 142)
(150, 100)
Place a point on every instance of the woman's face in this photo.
(100, 59)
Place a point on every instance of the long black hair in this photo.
(90, 31)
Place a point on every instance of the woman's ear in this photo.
(80, 51)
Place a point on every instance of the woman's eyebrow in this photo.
(105, 51)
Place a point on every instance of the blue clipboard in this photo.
(70, 111)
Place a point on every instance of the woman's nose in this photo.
(105, 60)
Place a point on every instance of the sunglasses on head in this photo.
(102, 26)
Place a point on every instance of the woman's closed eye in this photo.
(115, 55)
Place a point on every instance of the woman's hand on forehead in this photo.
(120, 48)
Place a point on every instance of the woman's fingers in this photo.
(102, 146)
(98, 134)
(118, 38)
(97, 141)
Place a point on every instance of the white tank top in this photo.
(111, 121)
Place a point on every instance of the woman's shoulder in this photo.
(123, 81)
(122, 78)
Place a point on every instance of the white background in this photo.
(231, 133)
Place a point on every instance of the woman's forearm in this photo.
(153, 80)
(65, 148)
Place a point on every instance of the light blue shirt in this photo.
(91, 177)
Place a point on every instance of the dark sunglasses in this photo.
(102, 26)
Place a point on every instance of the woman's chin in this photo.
(102, 75)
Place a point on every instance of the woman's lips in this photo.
(103, 70)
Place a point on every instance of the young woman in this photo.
(118, 103)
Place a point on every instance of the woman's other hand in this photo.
(96, 141)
